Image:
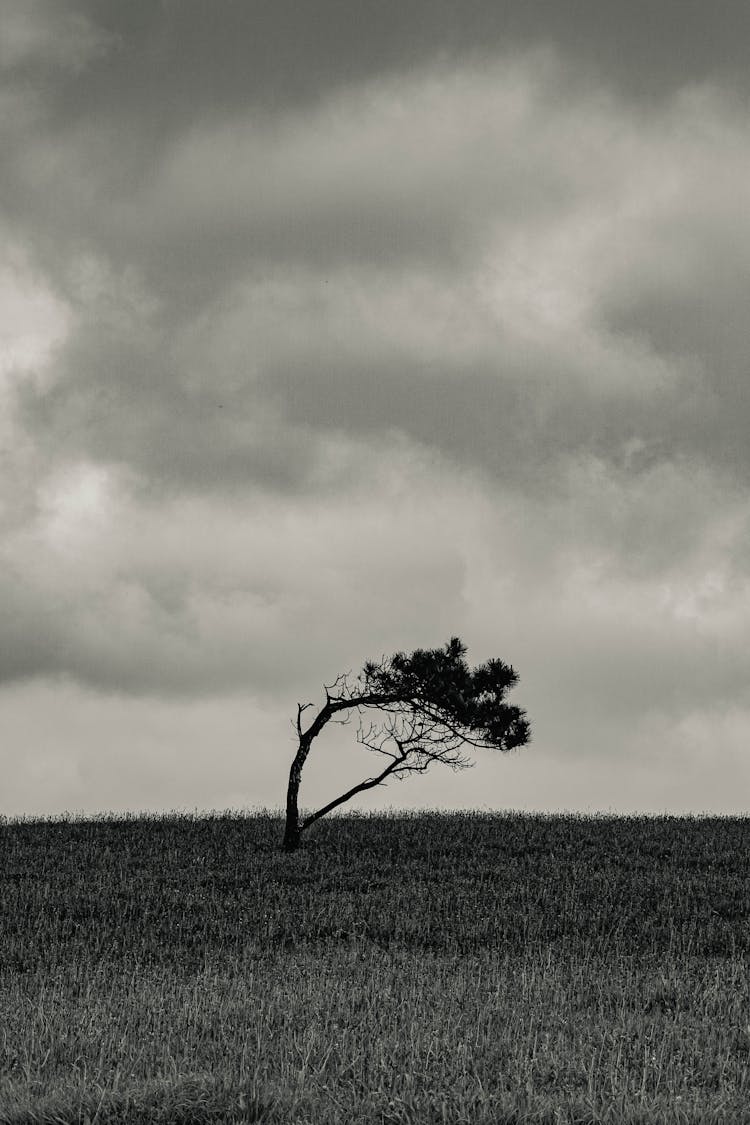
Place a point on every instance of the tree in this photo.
(428, 705)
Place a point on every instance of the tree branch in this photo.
(370, 783)
(334, 705)
(300, 708)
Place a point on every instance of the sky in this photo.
(335, 329)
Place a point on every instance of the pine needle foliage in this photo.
(439, 684)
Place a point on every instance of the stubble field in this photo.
(428, 968)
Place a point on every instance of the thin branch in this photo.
(301, 707)
(341, 683)
(333, 705)
(341, 722)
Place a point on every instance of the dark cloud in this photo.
(585, 254)
(183, 60)
(144, 417)
(150, 73)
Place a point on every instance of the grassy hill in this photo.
(427, 968)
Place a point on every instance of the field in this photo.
(432, 968)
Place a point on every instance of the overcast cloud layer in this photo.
(333, 329)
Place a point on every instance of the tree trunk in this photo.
(293, 831)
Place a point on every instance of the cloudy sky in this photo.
(329, 329)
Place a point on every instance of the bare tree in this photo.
(413, 710)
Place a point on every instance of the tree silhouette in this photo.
(427, 707)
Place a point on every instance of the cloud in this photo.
(464, 256)
(441, 332)
(199, 596)
(276, 53)
(43, 33)
(517, 364)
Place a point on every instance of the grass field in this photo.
(433, 968)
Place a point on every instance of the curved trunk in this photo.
(293, 829)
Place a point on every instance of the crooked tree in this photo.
(413, 709)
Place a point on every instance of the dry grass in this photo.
(420, 969)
